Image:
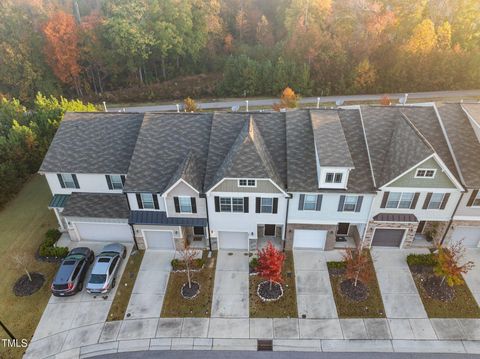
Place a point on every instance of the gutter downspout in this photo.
(131, 225)
(286, 222)
(451, 219)
(208, 223)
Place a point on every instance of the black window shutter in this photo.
(109, 181)
(384, 200)
(427, 200)
(217, 204)
(275, 205)
(194, 204)
(358, 208)
(300, 202)
(74, 176)
(318, 206)
(245, 204)
(415, 200)
(258, 200)
(177, 204)
(155, 201)
(445, 200)
(123, 179)
(472, 198)
(139, 201)
(60, 179)
(341, 203)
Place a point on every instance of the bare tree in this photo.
(20, 261)
(187, 255)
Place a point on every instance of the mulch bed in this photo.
(286, 306)
(362, 301)
(269, 294)
(441, 301)
(24, 287)
(190, 292)
(176, 306)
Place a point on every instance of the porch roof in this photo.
(160, 218)
(59, 201)
(395, 217)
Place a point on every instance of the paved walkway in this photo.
(230, 293)
(399, 293)
(334, 335)
(314, 292)
(150, 286)
(473, 277)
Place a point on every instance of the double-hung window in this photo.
(476, 201)
(266, 205)
(310, 202)
(185, 204)
(229, 204)
(237, 204)
(436, 200)
(68, 180)
(116, 181)
(147, 201)
(350, 203)
(246, 183)
(400, 199)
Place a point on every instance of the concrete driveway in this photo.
(399, 293)
(75, 314)
(314, 292)
(150, 286)
(473, 277)
(230, 293)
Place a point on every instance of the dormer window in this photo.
(247, 183)
(332, 177)
(425, 173)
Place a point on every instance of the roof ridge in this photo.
(417, 131)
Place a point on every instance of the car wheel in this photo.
(80, 287)
(113, 282)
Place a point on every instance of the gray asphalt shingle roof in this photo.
(330, 142)
(465, 144)
(93, 142)
(97, 205)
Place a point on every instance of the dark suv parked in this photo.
(71, 274)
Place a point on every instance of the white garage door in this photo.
(307, 238)
(469, 235)
(162, 240)
(107, 232)
(233, 240)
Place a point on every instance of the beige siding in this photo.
(440, 180)
(181, 189)
(230, 185)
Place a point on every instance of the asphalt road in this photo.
(228, 104)
(277, 355)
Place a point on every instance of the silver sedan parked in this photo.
(103, 276)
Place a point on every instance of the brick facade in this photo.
(372, 225)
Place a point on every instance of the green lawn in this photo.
(23, 223)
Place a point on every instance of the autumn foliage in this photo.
(190, 105)
(449, 265)
(270, 264)
(289, 99)
(357, 265)
(385, 101)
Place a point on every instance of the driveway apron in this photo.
(148, 292)
(314, 292)
(230, 293)
(399, 293)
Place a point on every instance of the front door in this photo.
(269, 230)
(421, 226)
(342, 229)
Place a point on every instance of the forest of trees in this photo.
(88, 48)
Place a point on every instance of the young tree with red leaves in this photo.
(448, 264)
(357, 265)
(270, 264)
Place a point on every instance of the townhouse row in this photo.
(395, 176)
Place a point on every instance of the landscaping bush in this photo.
(48, 249)
(254, 263)
(336, 265)
(422, 259)
(178, 264)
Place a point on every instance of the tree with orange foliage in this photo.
(61, 48)
(289, 99)
(385, 101)
(448, 264)
(270, 264)
(357, 266)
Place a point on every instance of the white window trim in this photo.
(345, 201)
(334, 175)
(426, 169)
(113, 183)
(304, 201)
(268, 205)
(180, 205)
(231, 204)
(440, 202)
(143, 202)
(247, 185)
(400, 200)
(477, 198)
(65, 182)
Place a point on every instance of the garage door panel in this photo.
(384, 237)
(233, 240)
(469, 235)
(104, 232)
(161, 240)
(309, 239)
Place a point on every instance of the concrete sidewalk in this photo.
(336, 335)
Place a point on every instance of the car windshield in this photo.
(68, 262)
(74, 257)
(98, 278)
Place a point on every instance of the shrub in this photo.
(48, 249)
(175, 263)
(336, 265)
(254, 263)
(422, 259)
(53, 235)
